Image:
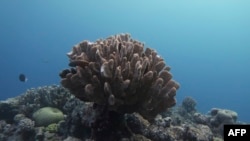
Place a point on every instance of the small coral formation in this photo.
(121, 75)
(219, 117)
(8, 111)
(223, 116)
(184, 112)
(52, 128)
(189, 104)
(47, 115)
(26, 124)
(80, 117)
(200, 118)
(164, 122)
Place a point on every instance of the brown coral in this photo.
(118, 73)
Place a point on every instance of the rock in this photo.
(219, 117)
(200, 118)
(198, 132)
(223, 116)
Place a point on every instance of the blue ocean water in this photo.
(206, 43)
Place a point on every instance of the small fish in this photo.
(23, 78)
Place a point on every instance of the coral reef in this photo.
(22, 130)
(160, 132)
(33, 99)
(119, 74)
(116, 90)
(84, 120)
(215, 119)
(16, 121)
(46, 96)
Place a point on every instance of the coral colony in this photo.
(120, 74)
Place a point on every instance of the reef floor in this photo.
(84, 121)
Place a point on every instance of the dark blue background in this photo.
(207, 43)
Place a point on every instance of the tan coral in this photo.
(119, 73)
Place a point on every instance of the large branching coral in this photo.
(119, 73)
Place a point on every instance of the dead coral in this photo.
(119, 73)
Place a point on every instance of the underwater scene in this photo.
(123, 70)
